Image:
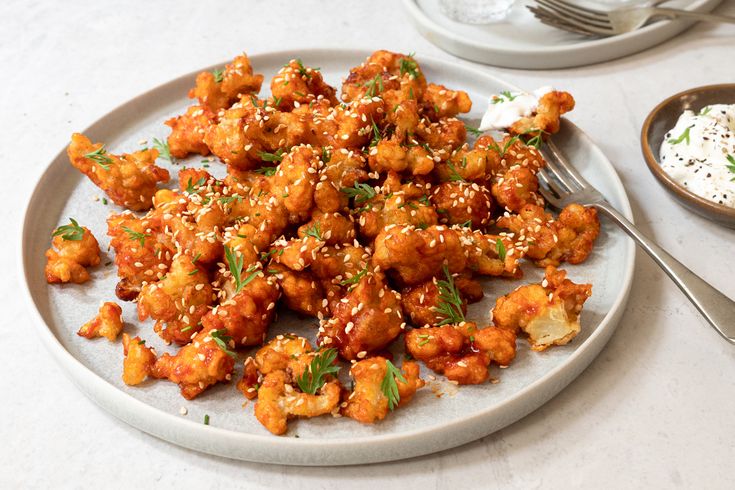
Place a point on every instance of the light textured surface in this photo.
(655, 409)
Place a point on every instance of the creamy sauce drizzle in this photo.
(699, 153)
(508, 107)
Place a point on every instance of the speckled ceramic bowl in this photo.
(661, 119)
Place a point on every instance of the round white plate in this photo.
(425, 425)
(521, 41)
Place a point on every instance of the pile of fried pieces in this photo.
(370, 212)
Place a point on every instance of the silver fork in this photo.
(562, 185)
(591, 22)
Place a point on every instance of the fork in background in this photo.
(575, 18)
(562, 185)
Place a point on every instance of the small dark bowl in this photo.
(661, 119)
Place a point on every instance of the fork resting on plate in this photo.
(561, 185)
(573, 17)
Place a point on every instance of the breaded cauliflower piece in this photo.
(516, 188)
(198, 365)
(332, 228)
(341, 169)
(463, 203)
(421, 303)
(438, 101)
(547, 117)
(178, 301)
(462, 352)
(368, 403)
(570, 238)
(129, 179)
(139, 255)
(393, 77)
(73, 248)
(296, 84)
(108, 323)
(220, 89)
(548, 312)
(284, 366)
(365, 321)
(188, 130)
(138, 362)
(395, 208)
(245, 314)
(302, 291)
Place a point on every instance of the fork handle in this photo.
(717, 309)
(674, 13)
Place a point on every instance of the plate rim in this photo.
(147, 418)
(624, 44)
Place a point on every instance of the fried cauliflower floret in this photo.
(366, 320)
(547, 117)
(346, 125)
(396, 208)
(569, 238)
(392, 76)
(341, 169)
(129, 179)
(491, 255)
(108, 323)
(548, 312)
(368, 403)
(516, 188)
(417, 255)
(438, 101)
(285, 365)
(138, 362)
(448, 134)
(198, 365)
(296, 84)
(463, 203)
(302, 291)
(332, 228)
(278, 401)
(139, 255)
(219, 90)
(298, 253)
(464, 164)
(178, 301)
(295, 182)
(73, 248)
(188, 130)
(421, 303)
(245, 314)
(462, 352)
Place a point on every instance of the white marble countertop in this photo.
(656, 409)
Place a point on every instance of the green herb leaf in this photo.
(360, 191)
(409, 65)
(454, 175)
(372, 85)
(193, 188)
(267, 171)
(377, 136)
(425, 338)
(500, 248)
(467, 224)
(731, 167)
(222, 340)
(321, 366)
(683, 137)
(474, 131)
(136, 235)
(72, 232)
(505, 96)
(218, 75)
(389, 386)
(271, 157)
(230, 199)
(355, 278)
(705, 110)
(206, 419)
(450, 302)
(314, 231)
(100, 157)
(163, 150)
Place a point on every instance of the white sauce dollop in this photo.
(508, 107)
(699, 153)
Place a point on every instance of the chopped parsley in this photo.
(271, 157)
(389, 386)
(71, 232)
(372, 85)
(454, 176)
(505, 96)
(193, 188)
(409, 65)
(267, 171)
(218, 75)
(206, 419)
(321, 366)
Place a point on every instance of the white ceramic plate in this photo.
(425, 425)
(521, 41)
